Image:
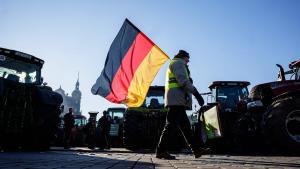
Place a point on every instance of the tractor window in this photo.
(243, 93)
(19, 71)
(154, 99)
(212, 96)
(80, 121)
(230, 96)
(116, 115)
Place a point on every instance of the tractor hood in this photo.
(275, 88)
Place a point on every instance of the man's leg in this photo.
(169, 129)
(189, 136)
(107, 140)
(102, 140)
(67, 138)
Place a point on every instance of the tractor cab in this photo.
(117, 116)
(154, 98)
(80, 120)
(227, 103)
(228, 94)
(116, 126)
(20, 67)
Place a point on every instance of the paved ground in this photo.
(123, 159)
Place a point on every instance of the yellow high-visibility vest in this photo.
(171, 81)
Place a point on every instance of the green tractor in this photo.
(143, 125)
(116, 127)
(224, 121)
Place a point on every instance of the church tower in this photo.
(71, 101)
(76, 95)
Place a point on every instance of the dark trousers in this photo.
(67, 136)
(177, 118)
(104, 140)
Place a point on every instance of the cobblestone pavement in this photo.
(123, 159)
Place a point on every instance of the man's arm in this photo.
(180, 72)
(181, 75)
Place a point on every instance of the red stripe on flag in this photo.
(133, 58)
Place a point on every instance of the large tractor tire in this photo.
(281, 125)
(131, 130)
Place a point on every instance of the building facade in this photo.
(71, 100)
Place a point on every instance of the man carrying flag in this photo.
(178, 90)
(132, 63)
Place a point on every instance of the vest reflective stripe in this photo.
(171, 81)
(173, 85)
(171, 75)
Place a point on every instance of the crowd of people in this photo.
(95, 134)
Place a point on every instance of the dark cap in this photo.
(182, 54)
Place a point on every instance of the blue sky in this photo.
(227, 40)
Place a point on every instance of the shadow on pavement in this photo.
(70, 159)
(249, 161)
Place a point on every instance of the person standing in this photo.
(104, 124)
(68, 126)
(178, 98)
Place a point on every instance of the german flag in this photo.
(132, 63)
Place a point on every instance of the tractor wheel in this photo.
(131, 134)
(40, 137)
(281, 125)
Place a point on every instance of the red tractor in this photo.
(268, 118)
(279, 104)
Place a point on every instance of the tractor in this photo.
(29, 109)
(116, 127)
(143, 125)
(220, 122)
(267, 119)
(276, 106)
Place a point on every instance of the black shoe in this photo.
(91, 147)
(165, 155)
(201, 151)
(197, 154)
(206, 151)
(101, 148)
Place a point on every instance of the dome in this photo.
(60, 91)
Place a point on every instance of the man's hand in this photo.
(198, 97)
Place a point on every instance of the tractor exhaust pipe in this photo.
(281, 76)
